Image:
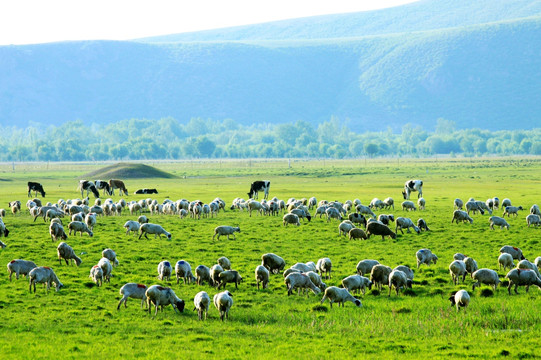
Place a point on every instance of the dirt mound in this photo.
(127, 171)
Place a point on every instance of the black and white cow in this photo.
(89, 186)
(118, 184)
(37, 187)
(103, 185)
(146, 191)
(257, 186)
(412, 185)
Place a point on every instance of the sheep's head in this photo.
(180, 305)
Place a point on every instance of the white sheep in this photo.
(457, 269)
(96, 274)
(224, 262)
(111, 255)
(471, 265)
(202, 273)
(421, 203)
(162, 296)
(511, 210)
(474, 207)
(78, 226)
(65, 252)
(183, 270)
(362, 209)
(408, 206)
(43, 275)
(229, 276)
(223, 302)
(305, 267)
(533, 219)
(165, 270)
(340, 296)
(262, 276)
(57, 232)
(90, 220)
(487, 277)
(398, 279)
(316, 279)
(515, 252)
(535, 210)
(291, 270)
(20, 267)
(425, 256)
(522, 277)
(458, 204)
(131, 226)
(312, 202)
(527, 265)
(344, 227)
(421, 224)
(134, 291)
(505, 260)
(201, 303)
(107, 268)
(376, 204)
(333, 213)
(388, 203)
(300, 281)
(324, 266)
(461, 298)
(405, 223)
(291, 219)
(273, 262)
(386, 218)
(505, 202)
(461, 215)
(215, 271)
(406, 270)
(365, 266)
(155, 229)
(225, 230)
(357, 282)
(459, 256)
(380, 275)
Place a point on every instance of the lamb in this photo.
(365, 266)
(406, 270)
(273, 262)
(56, 231)
(385, 219)
(535, 210)
(380, 275)
(162, 296)
(340, 296)
(408, 206)
(183, 270)
(357, 282)
(134, 291)
(90, 220)
(20, 267)
(425, 256)
(388, 203)
(515, 252)
(357, 233)
(43, 275)
(262, 276)
(96, 274)
(362, 209)
(460, 215)
(224, 262)
(533, 219)
(111, 255)
(357, 218)
(375, 228)
(487, 277)
(225, 230)
(398, 279)
(421, 224)
(107, 268)
(66, 252)
(511, 210)
(131, 226)
(522, 277)
(201, 303)
(164, 271)
(461, 298)
(215, 271)
(300, 281)
(421, 202)
(291, 219)
(457, 269)
(223, 302)
(458, 204)
(78, 226)
(324, 265)
(231, 276)
(405, 223)
(506, 202)
(316, 279)
(202, 273)
(505, 260)
(155, 229)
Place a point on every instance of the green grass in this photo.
(82, 321)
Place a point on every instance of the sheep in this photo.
(309, 266)
(224, 262)
(66, 252)
(291, 270)
(316, 279)
(201, 303)
(134, 291)
(223, 302)
(533, 219)
(474, 207)
(357, 282)
(41, 211)
(20, 267)
(421, 203)
(273, 262)
(324, 265)
(131, 226)
(357, 233)
(365, 266)
(162, 296)
(321, 210)
(78, 226)
(487, 277)
(300, 281)
(505, 202)
(183, 270)
(291, 219)
(43, 275)
(527, 265)
(461, 298)
(388, 203)
(56, 231)
(78, 217)
(254, 205)
(522, 277)
(457, 269)
(96, 274)
(461, 215)
(107, 268)
(406, 270)
(90, 220)
(215, 271)
(164, 271)
(135, 208)
(511, 210)
(375, 228)
(505, 260)
(362, 209)
(458, 204)
(405, 223)
(385, 219)
(340, 296)
(111, 255)
(535, 210)
(421, 224)
(231, 276)
(515, 252)
(53, 213)
(302, 214)
(312, 202)
(155, 229)
(425, 256)
(202, 273)
(376, 204)
(380, 275)
(408, 206)
(357, 218)
(398, 279)
(459, 256)
(262, 276)
(333, 213)
(225, 230)
(344, 227)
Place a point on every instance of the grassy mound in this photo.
(127, 171)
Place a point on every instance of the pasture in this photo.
(81, 320)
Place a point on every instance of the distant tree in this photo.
(204, 146)
(371, 149)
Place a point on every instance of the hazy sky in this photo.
(40, 21)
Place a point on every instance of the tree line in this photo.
(168, 138)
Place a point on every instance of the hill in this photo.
(127, 171)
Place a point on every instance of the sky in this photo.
(43, 21)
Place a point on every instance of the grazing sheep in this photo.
(515, 252)
(78, 217)
(408, 206)
(312, 202)
(262, 276)
(344, 227)
(398, 279)
(225, 230)
(357, 218)
(421, 203)
(457, 269)
(471, 265)
(223, 302)
(300, 281)
(505, 260)
(406, 270)
(533, 219)
(201, 303)
(215, 271)
(522, 277)
(107, 268)
(425, 256)
(388, 203)
(316, 279)
(405, 223)
(57, 232)
(527, 265)
(224, 262)
(511, 210)
(324, 265)
(421, 224)
(375, 228)
(459, 256)
(273, 262)
(43, 275)
(321, 210)
(90, 220)
(458, 204)
(506, 202)
(291, 270)
(535, 210)
(134, 291)
(66, 252)
(376, 204)
(357, 233)
(362, 209)
(461, 298)
(333, 213)
(96, 274)
(365, 266)
(183, 270)
(460, 215)
(20, 267)
(229, 276)
(155, 229)
(291, 219)
(340, 296)
(385, 219)
(380, 275)
(111, 255)
(142, 220)
(53, 214)
(164, 271)
(309, 266)
(131, 226)
(202, 273)
(78, 226)
(357, 282)
(487, 277)
(162, 296)
(474, 207)
(302, 214)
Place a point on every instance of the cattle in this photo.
(256, 186)
(103, 185)
(89, 187)
(37, 187)
(117, 184)
(146, 191)
(412, 185)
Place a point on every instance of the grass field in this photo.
(81, 320)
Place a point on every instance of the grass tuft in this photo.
(321, 308)
(487, 293)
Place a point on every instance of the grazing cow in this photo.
(117, 184)
(103, 185)
(88, 186)
(412, 185)
(37, 187)
(146, 191)
(257, 186)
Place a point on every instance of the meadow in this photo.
(81, 320)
